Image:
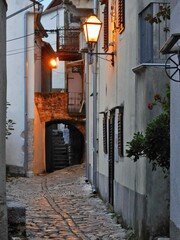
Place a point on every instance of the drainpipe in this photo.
(87, 118)
(26, 86)
(94, 187)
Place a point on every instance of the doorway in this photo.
(64, 146)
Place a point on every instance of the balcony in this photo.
(76, 104)
(68, 44)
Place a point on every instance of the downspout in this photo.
(25, 93)
(25, 87)
(94, 187)
(87, 118)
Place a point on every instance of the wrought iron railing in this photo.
(152, 36)
(68, 39)
(75, 102)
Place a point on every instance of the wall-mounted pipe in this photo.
(94, 187)
(87, 118)
(26, 86)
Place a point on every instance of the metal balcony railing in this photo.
(75, 102)
(68, 44)
(68, 39)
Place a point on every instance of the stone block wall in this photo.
(54, 106)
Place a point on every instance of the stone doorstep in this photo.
(16, 213)
(163, 238)
(16, 220)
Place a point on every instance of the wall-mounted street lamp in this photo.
(92, 28)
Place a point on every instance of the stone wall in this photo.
(54, 106)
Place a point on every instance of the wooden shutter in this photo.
(120, 134)
(105, 133)
(106, 27)
(121, 15)
(111, 158)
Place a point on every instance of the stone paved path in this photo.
(61, 206)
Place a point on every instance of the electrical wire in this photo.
(18, 49)
(13, 39)
(23, 9)
(10, 52)
(22, 49)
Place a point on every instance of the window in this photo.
(152, 36)
(105, 133)
(106, 27)
(120, 133)
(146, 36)
(121, 15)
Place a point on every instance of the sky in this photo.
(45, 3)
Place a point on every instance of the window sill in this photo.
(143, 66)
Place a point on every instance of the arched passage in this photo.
(64, 145)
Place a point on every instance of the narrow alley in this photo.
(61, 205)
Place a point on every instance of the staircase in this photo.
(59, 152)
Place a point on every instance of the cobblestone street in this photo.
(61, 205)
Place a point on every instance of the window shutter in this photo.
(111, 138)
(121, 15)
(105, 133)
(106, 28)
(120, 134)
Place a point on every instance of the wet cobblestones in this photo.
(61, 206)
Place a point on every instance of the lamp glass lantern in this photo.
(92, 27)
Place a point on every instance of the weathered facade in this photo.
(21, 64)
(3, 84)
(138, 194)
(175, 136)
(28, 61)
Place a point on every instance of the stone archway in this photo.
(52, 108)
(64, 145)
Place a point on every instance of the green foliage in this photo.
(9, 124)
(155, 143)
(131, 234)
(136, 146)
(162, 15)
